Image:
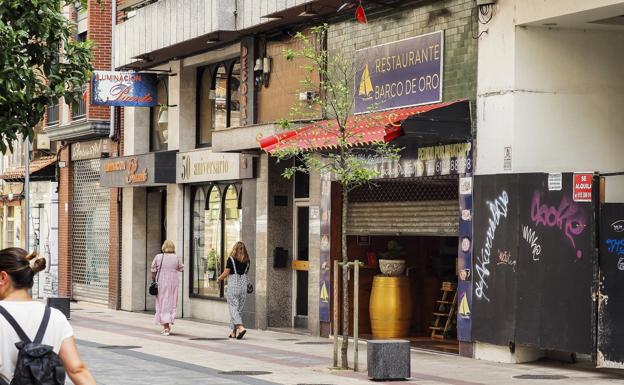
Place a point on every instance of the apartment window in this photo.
(218, 99)
(159, 119)
(53, 114)
(79, 109)
(217, 225)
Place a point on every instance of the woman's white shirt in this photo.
(29, 315)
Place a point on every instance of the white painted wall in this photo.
(554, 95)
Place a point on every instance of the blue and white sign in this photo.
(123, 89)
(400, 74)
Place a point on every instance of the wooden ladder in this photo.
(444, 319)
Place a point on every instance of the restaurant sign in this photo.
(123, 89)
(400, 74)
(153, 169)
(448, 159)
(207, 166)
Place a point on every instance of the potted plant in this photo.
(211, 263)
(391, 263)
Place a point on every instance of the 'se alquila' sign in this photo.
(400, 74)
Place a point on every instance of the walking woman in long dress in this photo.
(165, 268)
(235, 271)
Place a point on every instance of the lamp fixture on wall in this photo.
(262, 71)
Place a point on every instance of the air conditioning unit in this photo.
(42, 142)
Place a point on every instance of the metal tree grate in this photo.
(120, 347)
(540, 377)
(442, 188)
(245, 373)
(90, 233)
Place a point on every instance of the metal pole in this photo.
(27, 193)
(356, 312)
(335, 326)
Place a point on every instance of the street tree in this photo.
(335, 145)
(41, 62)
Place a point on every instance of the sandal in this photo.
(241, 334)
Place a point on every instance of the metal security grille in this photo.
(417, 206)
(90, 233)
(433, 188)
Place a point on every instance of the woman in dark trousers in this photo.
(235, 271)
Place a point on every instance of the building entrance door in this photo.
(300, 264)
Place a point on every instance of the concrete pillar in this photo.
(314, 251)
(136, 130)
(175, 228)
(133, 246)
(262, 242)
(182, 95)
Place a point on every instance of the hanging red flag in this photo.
(360, 15)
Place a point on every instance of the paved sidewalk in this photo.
(123, 348)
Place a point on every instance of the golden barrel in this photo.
(390, 307)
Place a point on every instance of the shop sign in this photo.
(207, 166)
(582, 191)
(448, 159)
(89, 150)
(153, 169)
(123, 89)
(244, 87)
(400, 74)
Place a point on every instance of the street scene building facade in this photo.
(505, 204)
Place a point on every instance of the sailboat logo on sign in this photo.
(366, 86)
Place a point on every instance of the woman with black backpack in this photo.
(31, 334)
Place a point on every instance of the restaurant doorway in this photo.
(415, 220)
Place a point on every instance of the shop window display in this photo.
(217, 223)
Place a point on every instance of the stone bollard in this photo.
(388, 359)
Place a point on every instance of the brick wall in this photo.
(64, 218)
(452, 16)
(99, 31)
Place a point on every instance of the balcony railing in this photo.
(79, 110)
(53, 114)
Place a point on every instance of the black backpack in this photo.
(37, 364)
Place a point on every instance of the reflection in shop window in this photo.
(207, 243)
(218, 100)
(235, 107)
(219, 118)
(217, 225)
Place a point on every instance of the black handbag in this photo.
(250, 287)
(153, 289)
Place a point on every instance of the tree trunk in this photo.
(345, 282)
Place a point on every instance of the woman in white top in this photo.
(17, 269)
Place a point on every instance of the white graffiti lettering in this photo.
(498, 209)
(529, 235)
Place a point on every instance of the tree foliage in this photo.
(40, 63)
(343, 152)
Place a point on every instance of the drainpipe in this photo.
(112, 130)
